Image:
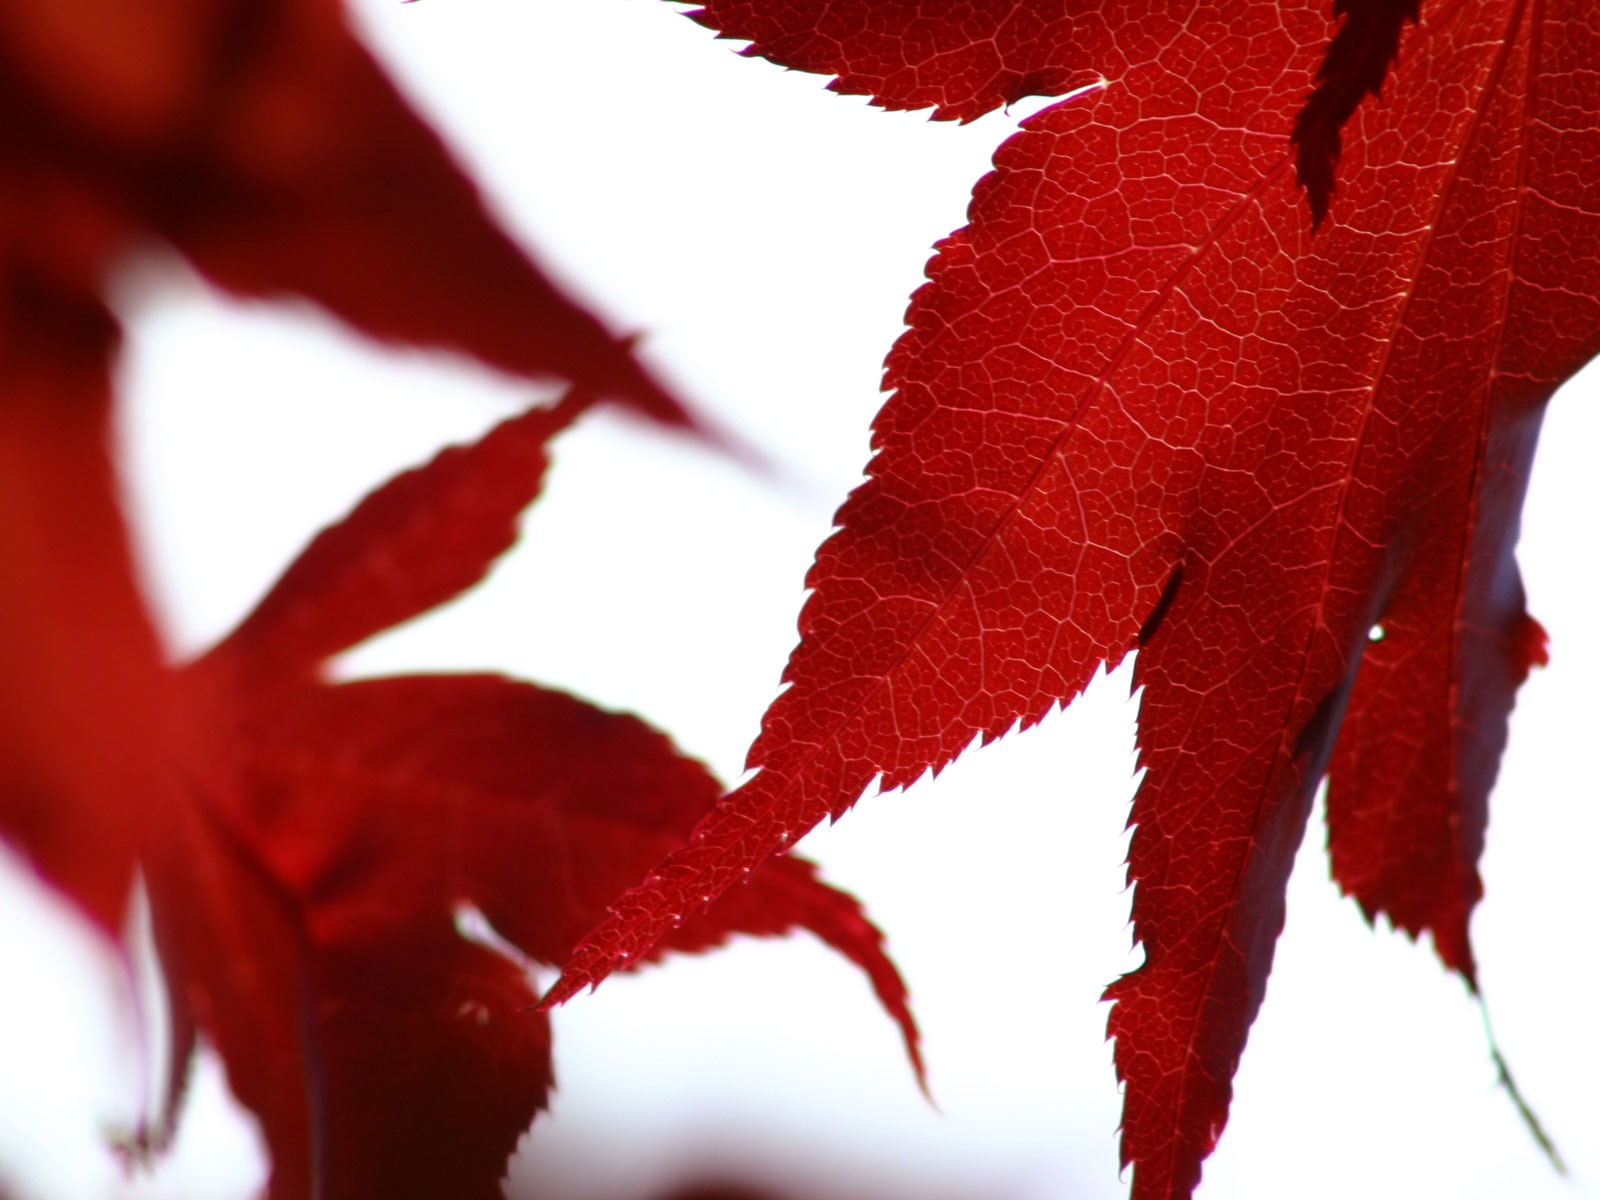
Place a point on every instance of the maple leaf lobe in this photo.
(85, 713)
(960, 60)
(351, 821)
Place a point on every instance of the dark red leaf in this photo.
(435, 1062)
(309, 849)
(1453, 640)
(264, 142)
(235, 955)
(1139, 405)
(1357, 62)
(382, 809)
(350, 826)
(83, 699)
(392, 1059)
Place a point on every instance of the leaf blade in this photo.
(1226, 398)
(85, 711)
(379, 808)
(419, 540)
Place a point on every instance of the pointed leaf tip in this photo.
(410, 545)
(1355, 66)
(573, 979)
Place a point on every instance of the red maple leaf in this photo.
(264, 143)
(307, 899)
(1143, 405)
(310, 847)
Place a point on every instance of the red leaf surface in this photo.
(966, 60)
(308, 897)
(1141, 406)
(83, 710)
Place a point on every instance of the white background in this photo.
(765, 235)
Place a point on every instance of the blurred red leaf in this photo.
(1357, 62)
(264, 142)
(334, 835)
(83, 698)
(311, 848)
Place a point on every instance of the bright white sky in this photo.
(765, 234)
